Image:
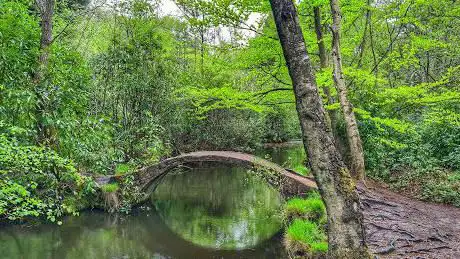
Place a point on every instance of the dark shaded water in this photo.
(212, 212)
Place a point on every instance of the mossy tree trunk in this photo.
(324, 64)
(337, 188)
(351, 125)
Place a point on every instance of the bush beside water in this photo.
(36, 182)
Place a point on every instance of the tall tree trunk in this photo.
(340, 143)
(45, 134)
(323, 59)
(319, 36)
(345, 229)
(324, 64)
(354, 140)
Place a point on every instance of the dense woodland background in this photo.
(126, 86)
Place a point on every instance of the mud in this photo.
(401, 227)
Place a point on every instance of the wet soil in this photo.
(402, 227)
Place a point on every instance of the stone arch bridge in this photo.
(289, 182)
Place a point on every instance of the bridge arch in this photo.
(144, 178)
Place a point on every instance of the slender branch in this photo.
(72, 20)
(278, 103)
(272, 90)
(273, 75)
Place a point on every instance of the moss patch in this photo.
(347, 183)
(302, 170)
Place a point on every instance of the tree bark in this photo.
(337, 188)
(319, 36)
(340, 143)
(354, 140)
(324, 64)
(45, 134)
(322, 53)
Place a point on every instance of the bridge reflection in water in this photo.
(220, 207)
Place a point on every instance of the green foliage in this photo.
(135, 74)
(128, 86)
(205, 100)
(445, 189)
(409, 115)
(281, 126)
(130, 194)
(419, 161)
(121, 169)
(36, 182)
(19, 45)
(16, 201)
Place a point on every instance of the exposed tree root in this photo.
(399, 227)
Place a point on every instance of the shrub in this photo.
(122, 169)
(37, 182)
(16, 201)
(422, 161)
(445, 189)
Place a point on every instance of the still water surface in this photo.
(210, 212)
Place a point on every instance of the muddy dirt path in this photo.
(401, 227)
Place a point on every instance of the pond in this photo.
(214, 211)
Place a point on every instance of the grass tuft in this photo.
(306, 237)
(110, 188)
(311, 208)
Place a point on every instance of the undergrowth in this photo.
(429, 184)
(125, 168)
